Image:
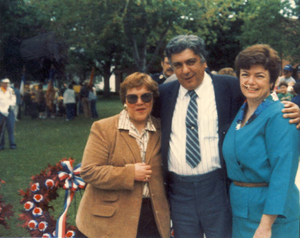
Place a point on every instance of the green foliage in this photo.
(269, 22)
(130, 35)
(18, 21)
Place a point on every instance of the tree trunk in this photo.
(106, 75)
(106, 90)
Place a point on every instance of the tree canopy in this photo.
(130, 35)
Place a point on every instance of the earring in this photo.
(125, 106)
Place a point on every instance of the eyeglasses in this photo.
(133, 98)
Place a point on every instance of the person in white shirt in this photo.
(7, 117)
(70, 102)
(93, 101)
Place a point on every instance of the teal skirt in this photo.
(243, 228)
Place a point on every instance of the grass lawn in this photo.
(41, 142)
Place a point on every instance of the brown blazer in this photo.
(110, 206)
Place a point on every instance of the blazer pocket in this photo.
(104, 210)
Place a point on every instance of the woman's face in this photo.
(140, 110)
(255, 83)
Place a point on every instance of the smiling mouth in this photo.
(252, 89)
(188, 78)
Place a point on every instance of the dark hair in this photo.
(259, 55)
(137, 80)
(183, 42)
(283, 84)
(297, 88)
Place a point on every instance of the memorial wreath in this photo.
(42, 190)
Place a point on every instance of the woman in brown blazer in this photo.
(125, 195)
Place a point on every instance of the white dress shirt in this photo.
(207, 128)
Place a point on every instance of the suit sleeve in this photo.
(282, 141)
(96, 169)
(157, 105)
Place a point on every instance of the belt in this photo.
(195, 178)
(250, 185)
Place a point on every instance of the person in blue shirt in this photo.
(261, 160)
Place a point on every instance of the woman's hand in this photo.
(264, 229)
(142, 172)
(291, 110)
(261, 232)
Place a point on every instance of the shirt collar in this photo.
(126, 124)
(199, 90)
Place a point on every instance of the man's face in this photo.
(167, 69)
(188, 68)
(287, 73)
(4, 85)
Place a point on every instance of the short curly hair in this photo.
(259, 54)
(138, 80)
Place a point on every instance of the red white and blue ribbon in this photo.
(73, 182)
(70, 234)
(37, 212)
(46, 235)
(32, 225)
(71, 177)
(38, 198)
(43, 226)
(49, 183)
(35, 187)
(28, 206)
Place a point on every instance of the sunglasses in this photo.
(133, 98)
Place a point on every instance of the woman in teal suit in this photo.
(261, 150)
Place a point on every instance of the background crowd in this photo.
(69, 101)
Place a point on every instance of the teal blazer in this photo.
(265, 150)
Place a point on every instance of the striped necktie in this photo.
(193, 156)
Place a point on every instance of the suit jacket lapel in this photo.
(154, 139)
(170, 98)
(221, 101)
